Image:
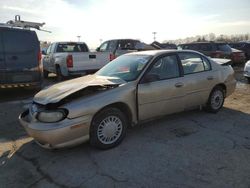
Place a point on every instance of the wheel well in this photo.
(223, 86)
(121, 106)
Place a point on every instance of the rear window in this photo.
(191, 47)
(23, 41)
(127, 44)
(206, 47)
(193, 63)
(72, 47)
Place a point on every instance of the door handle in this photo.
(179, 84)
(210, 78)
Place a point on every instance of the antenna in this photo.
(25, 24)
(154, 35)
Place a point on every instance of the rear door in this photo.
(2, 60)
(21, 56)
(199, 78)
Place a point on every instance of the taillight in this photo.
(238, 54)
(69, 61)
(111, 57)
(39, 58)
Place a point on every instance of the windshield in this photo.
(126, 67)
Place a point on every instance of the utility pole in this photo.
(154, 35)
(79, 38)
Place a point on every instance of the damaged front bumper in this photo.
(68, 132)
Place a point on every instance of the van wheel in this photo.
(45, 74)
(108, 128)
(216, 100)
(59, 75)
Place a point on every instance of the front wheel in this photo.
(216, 100)
(108, 128)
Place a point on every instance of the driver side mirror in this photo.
(150, 78)
(98, 49)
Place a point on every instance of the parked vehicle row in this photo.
(133, 88)
(217, 50)
(20, 64)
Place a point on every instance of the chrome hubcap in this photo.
(217, 99)
(109, 130)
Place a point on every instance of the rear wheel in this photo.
(59, 75)
(108, 128)
(216, 100)
(45, 74)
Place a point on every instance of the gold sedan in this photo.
(132, 88)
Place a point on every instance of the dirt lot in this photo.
(191, 149)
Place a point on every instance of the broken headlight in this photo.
(52, 116)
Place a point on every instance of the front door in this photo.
(161, 89)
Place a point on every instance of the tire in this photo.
(45, 74)
(108, 124)
(216, 100)
(59, 75)
(248, 79)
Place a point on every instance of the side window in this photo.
(112, 46)
(104, 47)
(52, 49)
(207, 65)
(49, 49)
(205, 47)
(165, 68)
(193, 63)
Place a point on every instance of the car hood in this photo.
(57, 92)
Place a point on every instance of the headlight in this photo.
(52, 116)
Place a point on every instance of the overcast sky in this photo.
(108, 19)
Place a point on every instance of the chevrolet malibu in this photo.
(131, 89)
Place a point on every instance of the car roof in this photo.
(123, 40)
(15, 29)
(159, 52)
(204, 43)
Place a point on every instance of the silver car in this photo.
(132, 88)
